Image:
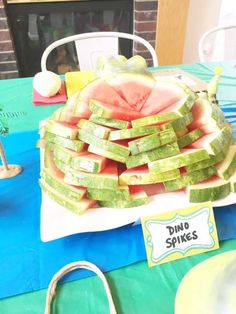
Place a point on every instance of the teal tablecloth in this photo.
(136, 288)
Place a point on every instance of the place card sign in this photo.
(180, 233)
(180, 76)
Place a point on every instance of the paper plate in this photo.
(58, 222)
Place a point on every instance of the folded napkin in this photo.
(59, 98)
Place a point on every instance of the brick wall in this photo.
(145, 17)
(8, 65)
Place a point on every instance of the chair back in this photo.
(90, 46)
(218, 44)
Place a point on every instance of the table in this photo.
(136, 288)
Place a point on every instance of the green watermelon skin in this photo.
(189, 138)
(189, 178)
(141, 176)
(186, 157)
(121, 193)
(75, 145)
(55, 180)
(206, 163)
(210, 190)
(132, 132)
(113, 123)
(152, 155)
(149, 142)
(103, 144)
(227, 167)
(78, 207)
(95, 129)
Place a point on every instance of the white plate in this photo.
(58, 222)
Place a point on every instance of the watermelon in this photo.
(206, 116)
(106, 110)
(212, 189)
(75, 145)
(134, 89)
(99, 90)
(141, 175)
(132, 132)
(152, 155)
(54, 178)
(78, 207)
(186, 157)
(149, 142)
(120, 193)
(189, 138)
(106, 179)
(89, 162)
(125, 136)
(137, 197)
(164, 94)
(63, 129)
(215, 142)
(189, 178)
(227, 167)
(113, 123)
(93, 128)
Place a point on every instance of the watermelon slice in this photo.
(133, 88)
(100, 90)
(77, 207)
(164, 94)
(211, 189)
(206, 116)
(141, 175)
(106, 110)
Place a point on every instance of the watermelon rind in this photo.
(93, 128)
(75, 145)
(189, 138)
(216, 142)
(152, 155)
(88, 162)
(113, 123)
(155, 119)
(179, 123)
(147, 178)
(120, 193)
(133, 202)
(57, 183)
(186, 157)
(232, 181)
(206, 162)
(106, 153)
(152, 141)
(181, 132)
(208, 191)
(189, 178)
(227, 166)
(103, 144)
(78, 207)
(132, 133)
(92, 180)
(64, 154)
(61, 129)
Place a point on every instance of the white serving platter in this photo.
(58, 222)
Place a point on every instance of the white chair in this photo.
(218, 44)
(89, 46)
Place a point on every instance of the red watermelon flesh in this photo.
(134, 89)
(98, 90)
(163, 95)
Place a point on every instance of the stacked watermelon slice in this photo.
(124, 134)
